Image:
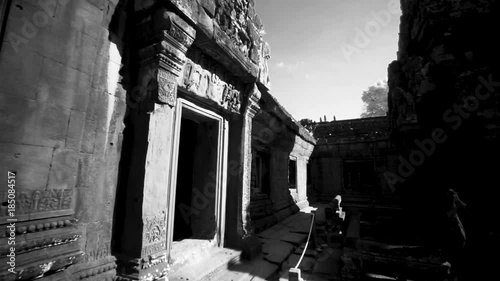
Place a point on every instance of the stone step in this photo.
(255, 270)
(206, 266)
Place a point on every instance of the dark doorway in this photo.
(358, 177)
(260, 174)
(195, 200)
(292, 173)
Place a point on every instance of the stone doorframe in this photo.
(155, 111)
(220, 177)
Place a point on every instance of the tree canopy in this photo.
(375, 100)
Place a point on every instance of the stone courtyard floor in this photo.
(282, 246)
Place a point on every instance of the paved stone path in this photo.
(282, 246)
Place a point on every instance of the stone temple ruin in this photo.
(140, 138)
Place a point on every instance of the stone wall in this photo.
(276, 134)
(444, 110)
(89, 96)
(62, 110)
(349, 141)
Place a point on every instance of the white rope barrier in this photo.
(308, 238)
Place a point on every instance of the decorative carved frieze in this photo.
(41, 268)
(38, 201)
(107, 271)
(154, 229)
(206, 78)
(153, 248)
(101, 251)
(39, 225)
(41, 243)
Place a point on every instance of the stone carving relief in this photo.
(38, 269)
(207, 79)
(155, 229)
(34, 226)
(99, 270)
(152, 261)
(178, 34)
(155, 248)
(37, 201)
(231, 98)
(41, 243)
(406, 108)
(101, 251)
(233, 18)
(264, 69)
(217, 88)
(167, 92)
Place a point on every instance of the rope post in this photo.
(313, 229)
(294, 275)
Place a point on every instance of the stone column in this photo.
(251, 245)
(162, 41)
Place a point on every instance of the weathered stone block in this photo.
(52, 124)
(50, 38)
(98, 3)
(101, 110)
(98, 242)
(63, 170)
(83, 56)
(30, 122)
(32, 164)
(88, 137)
(209, 7)
(20, 71)
(85, 209)
(276, 251)
(63, 86)
(84, 171)
(82, 16)
(19, 119)
(205, 23)
(75, 130)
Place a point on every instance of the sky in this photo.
(325, 53)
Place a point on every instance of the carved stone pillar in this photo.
(251, 246)
(162, 41)
(168, 38)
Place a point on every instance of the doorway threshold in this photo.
(203, 263)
